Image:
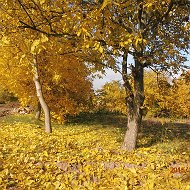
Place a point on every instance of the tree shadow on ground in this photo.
(152, 131)
(104, 119)
(156, 131)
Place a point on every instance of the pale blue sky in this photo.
(110, 75)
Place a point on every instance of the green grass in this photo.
(85, 153)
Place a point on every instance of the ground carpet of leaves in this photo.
(88, 156)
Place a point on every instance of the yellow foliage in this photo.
(164, 98)
(64, 78)
(111, 98)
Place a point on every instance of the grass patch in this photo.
(86, 155)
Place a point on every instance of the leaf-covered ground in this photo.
(86, 155)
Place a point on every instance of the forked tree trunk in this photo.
(38, 111)
(43, 104)
(134, 102)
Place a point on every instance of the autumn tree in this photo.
(167, 97)
(158, 90)
(155, 33)
(59, 76)
(33, 44)
(178, 101)
(111, 97)
(15, 49)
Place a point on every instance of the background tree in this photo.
(178, 102)
(164, 96)
(111, 98)
(158, 90)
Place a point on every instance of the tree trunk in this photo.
(134, 102)
(132, 127)
(38, 111)
(43, 104)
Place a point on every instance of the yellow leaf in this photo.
(121, 44)
(22, 57)
(45, 153)
(101, 49)
(5, 40)
(44, 38)
(87, 46)
(42, 1)
(29, 182)
(133, 170)
(34, 46)
(79, 33)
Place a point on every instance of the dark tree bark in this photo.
(42, 101)
(38, 111)
(134, 102)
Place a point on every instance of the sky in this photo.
(111, 75)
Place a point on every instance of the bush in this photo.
(6, 96)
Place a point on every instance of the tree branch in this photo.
(19, 1)
(127, 84)
(159, 20)
(41, 12)
(140, 12)
(46, 33)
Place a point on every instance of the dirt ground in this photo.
(8, 109)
